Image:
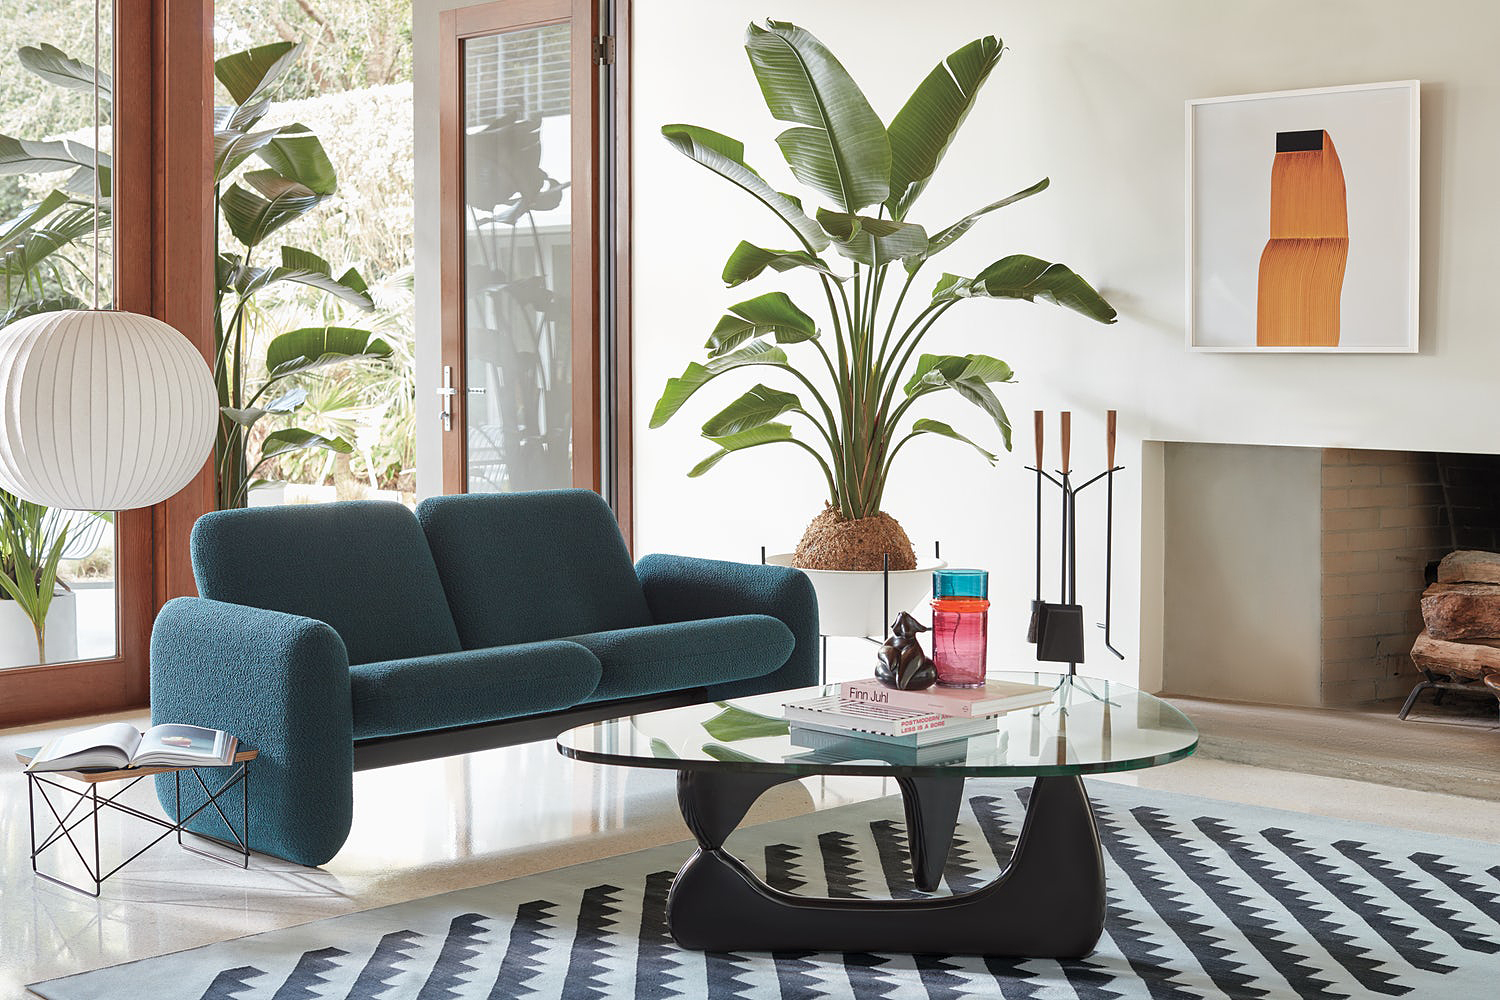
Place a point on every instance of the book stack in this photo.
(911, 727)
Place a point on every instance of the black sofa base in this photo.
(387, 751)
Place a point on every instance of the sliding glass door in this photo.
(520, 387)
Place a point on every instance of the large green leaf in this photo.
(925, 126)
(22, 252)
(840, 149)
(939, 369)
(319, 346)
(873, 241)
(729, 755)
(287, 402)
(945, 237)
(249, 77)
(726, 157)
(760, 405)
(772, 313)
(968, 375)
(54, 65)
(291, 439)
(297, 154)
(276, 201)
(739, 441)
(26, 156)
(306, 268)
(747, 261)
(679, 390)
(16, 229)
(926, 426)
(233, 146)
(1020, 276)
(734, 723)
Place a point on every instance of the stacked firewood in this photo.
(1461, 612)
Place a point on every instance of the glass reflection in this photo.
(517, 260)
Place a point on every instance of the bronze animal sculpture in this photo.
(903, 664)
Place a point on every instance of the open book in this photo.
(120, 745)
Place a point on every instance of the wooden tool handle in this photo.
(1067, 437)
(1038, 421)
(1109, 439)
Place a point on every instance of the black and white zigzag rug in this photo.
(1206, 899)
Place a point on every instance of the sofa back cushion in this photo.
(523, 567)
(362, 567)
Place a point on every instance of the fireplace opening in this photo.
(1296, 575)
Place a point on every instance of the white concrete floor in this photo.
(425, 828)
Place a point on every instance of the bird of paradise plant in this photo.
(862, 383)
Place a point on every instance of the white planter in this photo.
(18, 640)
(852, 602)
(266, 495)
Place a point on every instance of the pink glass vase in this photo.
(960, 633)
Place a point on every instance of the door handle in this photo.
(446, 392)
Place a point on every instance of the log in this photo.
(1462, 610)
(1469, 566)
(1456, 659)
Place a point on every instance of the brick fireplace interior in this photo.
(1294, 575)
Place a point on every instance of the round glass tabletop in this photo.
(1088, 727)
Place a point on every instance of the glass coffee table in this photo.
(1047, 903)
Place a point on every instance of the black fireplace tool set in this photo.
(1057, 627)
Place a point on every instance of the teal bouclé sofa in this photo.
(352, 635)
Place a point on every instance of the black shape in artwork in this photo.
(903, 664)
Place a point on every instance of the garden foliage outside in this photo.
(313, 322)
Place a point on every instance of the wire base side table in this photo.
(70, 807)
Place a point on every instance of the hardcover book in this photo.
(994, 698)
(119, 745)
(889, 721)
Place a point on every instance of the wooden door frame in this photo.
(164, 251)
(618, 218)
(455, 27)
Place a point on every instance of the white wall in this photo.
(1091, 94)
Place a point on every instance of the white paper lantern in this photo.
(101, 410)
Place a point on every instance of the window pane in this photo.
(517, 260)
(49, 259)
(351, 88)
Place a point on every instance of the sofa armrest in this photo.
(280, 683)
(682, 588)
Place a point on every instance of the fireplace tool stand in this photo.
(1057, 628)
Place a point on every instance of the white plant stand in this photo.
(860, 603)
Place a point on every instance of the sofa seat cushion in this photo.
(394, 697)
(656, 658)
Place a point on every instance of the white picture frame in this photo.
(1243, 295)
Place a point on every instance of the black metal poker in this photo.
(1057, 628)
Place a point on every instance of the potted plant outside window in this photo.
(32, 598)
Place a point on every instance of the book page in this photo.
(179, 741)
(121, 736)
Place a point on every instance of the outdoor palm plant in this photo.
(856, 389)
(31, 546)
(291, 177)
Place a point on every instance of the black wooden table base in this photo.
(1047, 903)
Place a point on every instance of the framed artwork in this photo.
(1302, 220)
